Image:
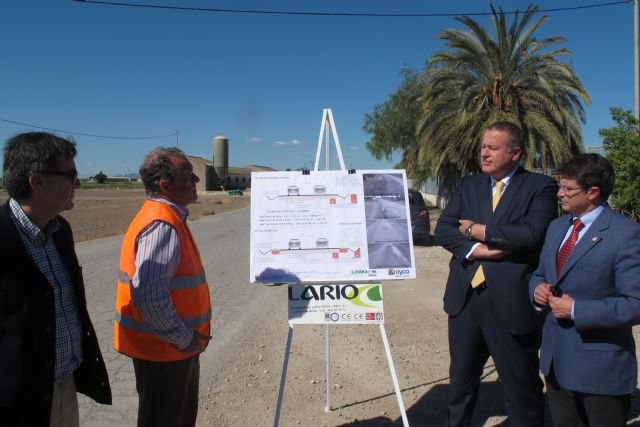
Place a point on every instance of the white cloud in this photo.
(354, 148)
(292, 142)
(255, 140)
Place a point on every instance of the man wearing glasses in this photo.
(48, 346)
(588, 289)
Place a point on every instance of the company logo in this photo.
(399, 272)
(323, 292)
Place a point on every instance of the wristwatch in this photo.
(469, 231)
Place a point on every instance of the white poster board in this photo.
(336, 304)
(330, 226)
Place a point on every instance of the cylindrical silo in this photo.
(221, 159)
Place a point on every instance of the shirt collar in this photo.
(506, 179)
(183, 212)
(588, 218)
(28, 228)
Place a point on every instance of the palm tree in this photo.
(510, 76)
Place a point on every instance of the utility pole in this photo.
(178, 132)
(636, 51)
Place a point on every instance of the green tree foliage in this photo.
(100, 177)
(508, 74)
(393, 123)
(622, 144)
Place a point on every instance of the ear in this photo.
(594, 194)
(164, 185)
(35, 182)
(517, 153)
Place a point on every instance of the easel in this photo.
(327, 126)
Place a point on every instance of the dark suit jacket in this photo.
(595, 353)
(519, 223)
(27, 331)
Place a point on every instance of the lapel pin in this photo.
(594, 238)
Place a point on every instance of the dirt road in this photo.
(242, 367)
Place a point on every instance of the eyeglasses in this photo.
(71, 174)
(567, 190)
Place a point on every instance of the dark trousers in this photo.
(167, 392)
(571, 408)
(474, 335)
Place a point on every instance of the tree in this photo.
(100, 177)
(622, 145)
(483, 78)
(393, 123)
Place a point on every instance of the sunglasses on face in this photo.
(70, 174)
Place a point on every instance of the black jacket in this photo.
(518, 225)
(27, 331)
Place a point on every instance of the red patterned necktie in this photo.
(568, 246)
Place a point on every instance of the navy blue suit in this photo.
(595, 352)
(497, 319)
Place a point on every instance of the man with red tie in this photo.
(587, 288)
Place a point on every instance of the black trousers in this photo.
(167, 392)
(571, 408)
(474, 335)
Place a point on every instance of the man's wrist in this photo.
(469, 232)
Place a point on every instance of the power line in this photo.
(88, 134)
(347, 14)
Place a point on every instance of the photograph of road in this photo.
(386, 220)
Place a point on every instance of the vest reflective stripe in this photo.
(188, 290)
(182, 282)
(141, 327)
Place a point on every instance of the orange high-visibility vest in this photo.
(188, 289)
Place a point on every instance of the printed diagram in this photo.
(313, 227)
(293, 195)
(321, 246)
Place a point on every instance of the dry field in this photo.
(107, 212)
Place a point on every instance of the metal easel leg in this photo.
(283, 377)
(327, 406)
(396, 386)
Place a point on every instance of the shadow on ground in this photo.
(431, 409)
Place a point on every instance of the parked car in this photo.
(420, 224)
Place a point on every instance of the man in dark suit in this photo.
(494, 226)
(588, 288)
(48, 347)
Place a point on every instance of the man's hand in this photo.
(198, 343)
(542, 294)
(482, 251)
(561, 306)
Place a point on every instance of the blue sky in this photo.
(262, 80)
